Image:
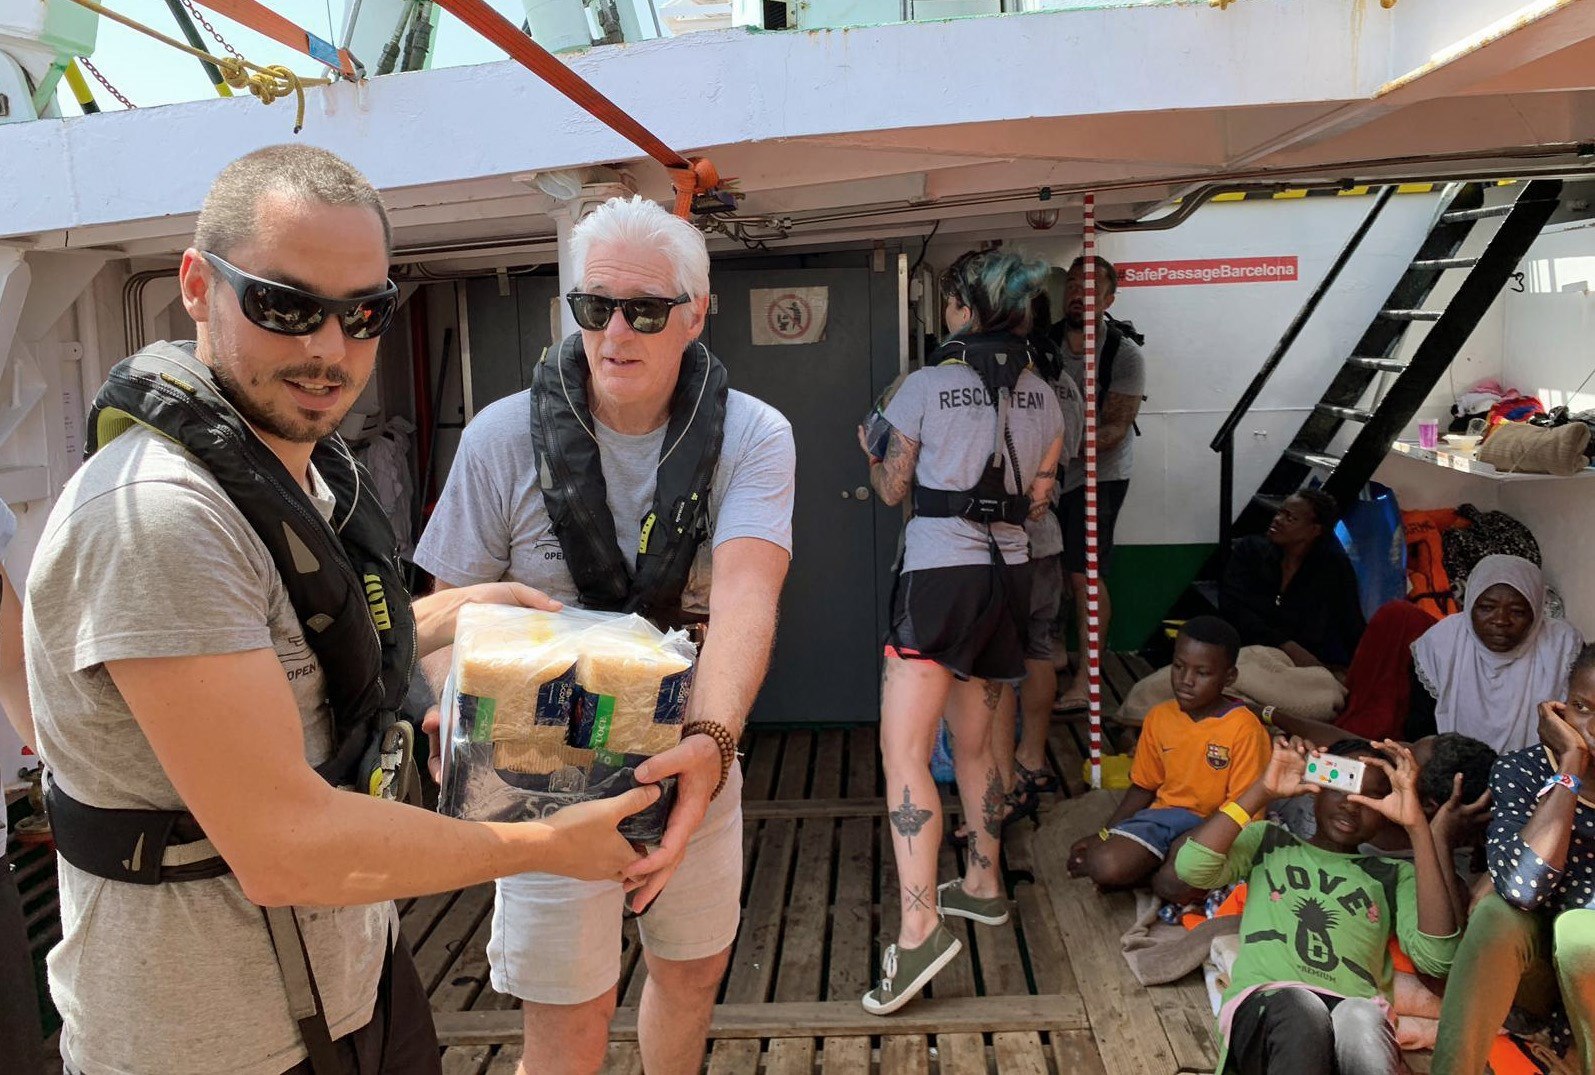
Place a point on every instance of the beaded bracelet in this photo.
(723, 739)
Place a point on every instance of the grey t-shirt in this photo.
(1129, 379)
(145, 556)
(948, 412)
(490, 524)
(1046, 533)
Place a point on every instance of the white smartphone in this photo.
(1333, 771)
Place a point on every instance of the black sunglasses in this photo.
(289, 311)
(645, 314)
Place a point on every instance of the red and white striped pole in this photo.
(1092, 643)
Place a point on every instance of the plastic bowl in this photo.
(1460, 442)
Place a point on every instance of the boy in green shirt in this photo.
(1309, 991)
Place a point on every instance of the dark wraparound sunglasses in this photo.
(646, 313)
(289, 311)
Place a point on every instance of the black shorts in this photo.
(1071, 513)
(399, 1039)
(955, 617)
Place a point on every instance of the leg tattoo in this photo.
(993, 694)
(991, 805)
(908, 819)
(918, 898)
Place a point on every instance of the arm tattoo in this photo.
(894, 476)
(1118, 415)
(908, 819)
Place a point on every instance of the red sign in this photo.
(1276, 270)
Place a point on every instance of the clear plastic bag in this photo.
(545, 709)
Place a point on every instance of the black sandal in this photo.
(1041, 781)
(1021, 802)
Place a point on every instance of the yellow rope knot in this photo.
(266, 83)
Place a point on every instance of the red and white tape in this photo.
(1092, 643)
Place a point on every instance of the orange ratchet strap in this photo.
(260, 18)
(690, 176)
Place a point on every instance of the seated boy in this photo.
(1195, 752)
(1311, 986)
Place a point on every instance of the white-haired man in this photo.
(206, 675)
(629, 476)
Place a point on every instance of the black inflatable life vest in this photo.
(574, 491)
(998, 359)
(343, 578)
(344, 582)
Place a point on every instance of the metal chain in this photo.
(102, 80)
(203, 21)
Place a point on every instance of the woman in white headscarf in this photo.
(1484, 670)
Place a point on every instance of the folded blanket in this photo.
(1159, 953)
(1265, 676)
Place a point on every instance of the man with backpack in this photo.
(1121, 387)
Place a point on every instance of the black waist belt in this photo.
(131, 845)
(127, 845)
(950, 504)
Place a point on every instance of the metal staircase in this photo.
(1393, 404)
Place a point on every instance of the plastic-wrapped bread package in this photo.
(544, 709)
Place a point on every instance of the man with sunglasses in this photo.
(179, 688)
(629, 477)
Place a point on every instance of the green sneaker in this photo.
(951, 899)
(908, 970)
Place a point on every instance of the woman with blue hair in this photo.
(974, 438)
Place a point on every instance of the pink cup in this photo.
(1428, 433)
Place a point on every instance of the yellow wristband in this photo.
(1236, 813)
(1102, 834)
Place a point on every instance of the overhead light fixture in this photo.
(562, 186)
(1041, 219)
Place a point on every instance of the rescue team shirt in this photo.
(1129, 379)
(1046, 533)
(948, 411)
(145, 556)
(1199, 765)
(1319, 918)
(490, 524)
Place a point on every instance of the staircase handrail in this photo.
(1226, 431)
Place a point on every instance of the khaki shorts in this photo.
(1046, 601)
(557, 940)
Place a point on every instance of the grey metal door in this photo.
(827, 654)
(508, 333)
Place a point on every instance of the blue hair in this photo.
(997, 286)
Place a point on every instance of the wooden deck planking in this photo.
(1020, 1053)
(623, 1058)
(821, 901)
(850, 958)
(843, 1018)
(1130, 1036)
(1187, 1019)
(904, 1054)
(734, 1058)
(448, 938)
(789, 1056)
(845, 1056)
(961, 1054)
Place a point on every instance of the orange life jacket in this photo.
(1428, 583)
